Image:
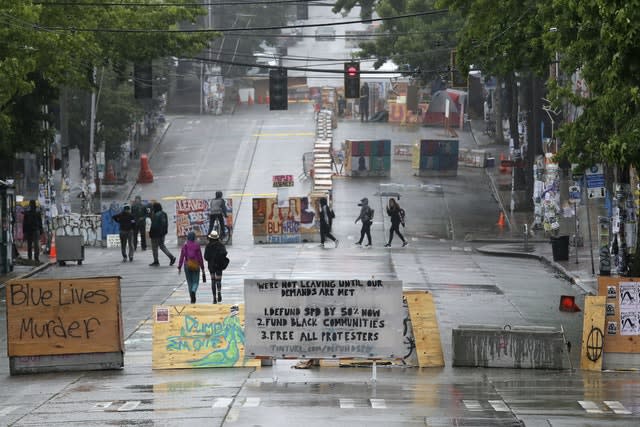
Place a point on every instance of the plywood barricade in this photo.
(422, 312)
(593, 327)
(64, 324)
(622, 321)
(199, 336)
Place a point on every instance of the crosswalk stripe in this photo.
(347, 403)
(590, 407)
(472, 405)
(617, 407)
(499, 405)
(101, 406)
(378, 403)
(129, 406)
(251, 402)
(222, 402)
(7, 410)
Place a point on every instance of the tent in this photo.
(435, 113)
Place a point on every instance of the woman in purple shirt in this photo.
(191, 258)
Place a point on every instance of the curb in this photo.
(30, 273)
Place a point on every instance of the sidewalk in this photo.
(578, 269)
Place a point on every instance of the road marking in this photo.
(251, 402)
(499, 406)
(7, 410)
(173, 198)
(473, 405)
(347, 403)
(222, 402)
(252, 195)
(617, 407)
(378, 403)
(590, 407)
(285, 134)
(129, 406)
(101, 406)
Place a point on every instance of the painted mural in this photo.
(193, 215)
(293, 221)
(368, 158)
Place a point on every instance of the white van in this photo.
(263, 58)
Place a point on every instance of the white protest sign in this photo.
(323, 318)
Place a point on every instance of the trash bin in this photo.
(560, 248)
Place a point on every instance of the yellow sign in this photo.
(199, 336)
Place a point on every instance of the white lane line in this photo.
(590, 407)
(473, 405)
(378, 403)
(222, 402)
(101, 406)
(499, 406)
(251, 402)
(347, 403)
(7, 410)
(617, 407)
(129, 406)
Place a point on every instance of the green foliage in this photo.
(40, 52)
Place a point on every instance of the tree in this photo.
(345, 6)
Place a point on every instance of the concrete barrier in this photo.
(492, 346)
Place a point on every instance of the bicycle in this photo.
(224, 238)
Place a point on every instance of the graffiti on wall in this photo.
(87, 226)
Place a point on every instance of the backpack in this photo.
(332, 214)
(401, 213)
(371, 212)
(223, 262)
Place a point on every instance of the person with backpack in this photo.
(326, 221)
(366, 216)
(216, 256)
(217, 211)
(191, 258)
(157, 233)
(127, 227)
(396, 214)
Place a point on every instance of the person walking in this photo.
(140, 213)
(396, 214)
(191, 258)
(216, 256)
(326, 221)
(364, 103)
(366, 216)
(127, 227)
(217, 211)
(159, 229)
(32, 229)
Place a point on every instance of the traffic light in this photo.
(278, 96)
(142, 80)
(352, 80)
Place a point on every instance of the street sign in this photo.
(574, 194)
(595, 182)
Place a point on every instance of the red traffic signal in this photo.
(352, 80)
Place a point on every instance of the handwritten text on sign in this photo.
(323, 318)
(282, 181)
(63, 316)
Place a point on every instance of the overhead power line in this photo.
(229, 30)
(156, 5)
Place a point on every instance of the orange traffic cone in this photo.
(501, 219)
(568, 303)
(53, 253)
(146, 175)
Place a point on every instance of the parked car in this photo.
(326, 33)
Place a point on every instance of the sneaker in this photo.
(124, 259)
(368, 245)
(388, 245)
(173, 261)
(321, 245)
(130, 259)
(336, 242)
(154, 264)
(405, 243)
(358, 243)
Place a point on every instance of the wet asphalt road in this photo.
(238, 154)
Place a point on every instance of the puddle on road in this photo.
(170, 387)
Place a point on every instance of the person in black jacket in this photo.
(216, 256)
(127, 227)
(159, 229)
(326, 221)
(396, 214)
(32, 229)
